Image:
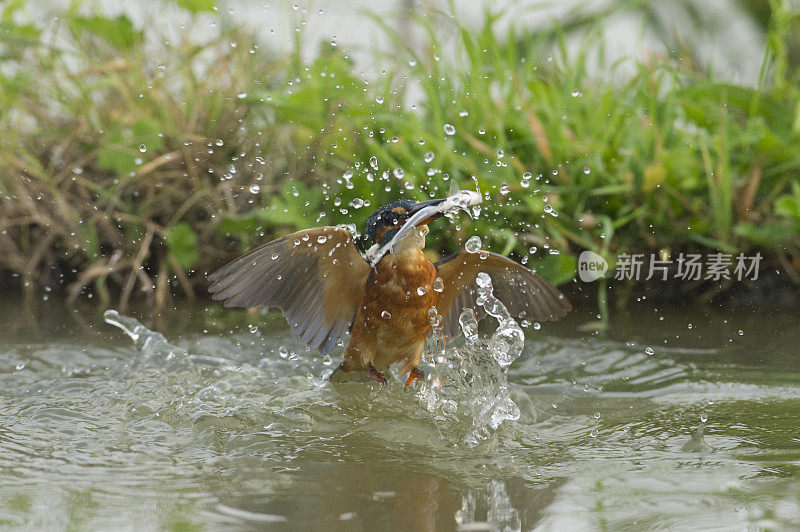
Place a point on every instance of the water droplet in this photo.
(576, 93)
(438, 285)
(379, 99)
(597, 415)
(357, 203)
(255, 189)
(481, 131)
(463, 113)
(594, 433)
(327, 360)
(242, 95)
(473, 244)
(449, 129)
(587, 170)
(283, 352)
(373, 162)
(399, 173)
(504, 188)
(429, 156)
(703, 417)
(142, 148)
(421, 291)
(385, 315)
(219, 142)
(500, 154)
(274, 256)
(322, 239)
(253, 328)
(483, 280)
(649, 350)
(469, 325)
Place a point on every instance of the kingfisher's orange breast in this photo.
(396, 304)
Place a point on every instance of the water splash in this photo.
(508, 340)
(470, 387)
(500, 514)
(467, 396)
(145, 340)
(158, 351)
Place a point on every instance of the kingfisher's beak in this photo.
(430, 207)
(424, 212)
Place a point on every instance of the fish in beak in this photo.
(425, 212)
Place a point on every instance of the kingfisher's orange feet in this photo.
(415, 375)
(375, 374)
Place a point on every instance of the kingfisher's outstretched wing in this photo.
(316, 277)
(525, 294)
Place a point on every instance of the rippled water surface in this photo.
(667, 420)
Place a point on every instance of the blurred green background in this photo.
(140, 151)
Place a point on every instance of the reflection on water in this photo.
(229, 425)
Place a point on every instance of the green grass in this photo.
(653, 156)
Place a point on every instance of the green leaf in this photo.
(558, 269)
(146, 131)
(121, 147)
(765, 234)
(19, 35)
(197, 6)
(181, 241)
(91, 241)
(282, 213)
(788, 206)
(293, 206)
(310, 104)
(16, 36)
(118, 31)
(13, 87)
(701, 103)
(10, 7)
(116, 158)
(238, 225)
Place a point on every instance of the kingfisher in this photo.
(325, 287)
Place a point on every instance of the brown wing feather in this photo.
(524, 293)
(316, 277)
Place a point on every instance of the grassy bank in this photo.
(131, 166)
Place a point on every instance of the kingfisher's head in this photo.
(385, 222)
